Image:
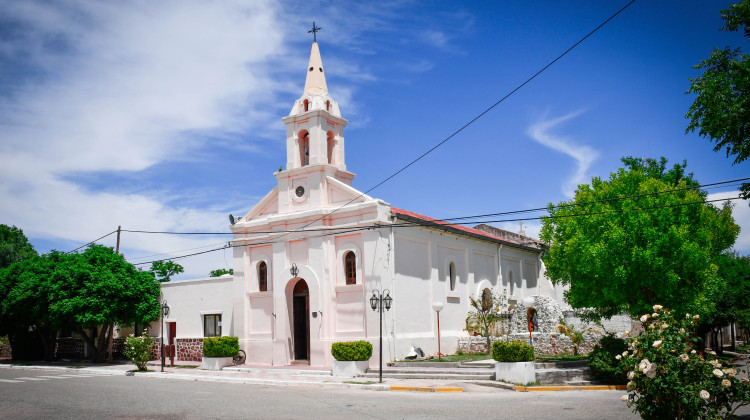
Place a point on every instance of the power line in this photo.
(428, 223)
(477, 117)
(453, 219)
(95, 240)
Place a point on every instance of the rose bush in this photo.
(138, 349)
(670, 379)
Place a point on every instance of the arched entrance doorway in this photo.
(301, 321)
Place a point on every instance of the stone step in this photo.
(560, 376)
(561, 365)
(434, 375)
(462, 371)
(284, 372)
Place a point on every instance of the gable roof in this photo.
(499, 236)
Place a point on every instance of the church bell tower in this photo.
(314, 144)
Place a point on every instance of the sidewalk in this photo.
(258, 375)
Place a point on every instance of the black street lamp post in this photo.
(377, 302)
(164, 312)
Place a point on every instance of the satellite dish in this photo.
(231, 219)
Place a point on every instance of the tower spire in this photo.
(315, 83)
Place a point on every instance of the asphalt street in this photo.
(33, 394)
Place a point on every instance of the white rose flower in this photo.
(618, 357)
(654, 315)
(664, 325)
(718, 373)
(725, 383)
(657, 307)
(644, 318)
(704, 394)
(631, 375)
(624, 398)
(745, 380)
(625, 353)
(684, 357)
(657, 344)
(630, 386)
(682, 331)
(693, 352)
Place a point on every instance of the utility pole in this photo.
(112, 327)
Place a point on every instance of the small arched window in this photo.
(350, 267)
(307, 105)
(452, 276)
(331, 145)
(510, 280)
(262, 277)
(304, 148)
(328, 106)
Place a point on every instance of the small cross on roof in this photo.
(314, 31)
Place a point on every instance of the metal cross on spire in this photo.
(314, 31)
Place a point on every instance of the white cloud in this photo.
(584, 156)
(741, 214)
(121, 87)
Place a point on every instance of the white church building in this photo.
(310, 254)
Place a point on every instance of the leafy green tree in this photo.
(85, 292)
(220, 272)
(620, 255)
(721, 110)
(729, 295)
(164, 270)
(14, 246)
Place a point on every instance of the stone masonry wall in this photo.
(544, 343)
(71, 348)
(189, 349)
(5, 351)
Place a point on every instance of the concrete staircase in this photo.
(563, 373)
(482, 372)
(436, 370)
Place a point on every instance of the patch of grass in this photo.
(360, 383)
(186, 367)
(141, 371)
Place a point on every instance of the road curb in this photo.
(426, 388)
(571, 388)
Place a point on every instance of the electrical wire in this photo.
(94, 241)
(427, 223)
(517, 88)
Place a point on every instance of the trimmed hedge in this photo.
(515, 351)
(351, 351)
(602, 362)
(221, 346)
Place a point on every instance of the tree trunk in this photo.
(732, 327)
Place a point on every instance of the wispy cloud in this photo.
(541, 131)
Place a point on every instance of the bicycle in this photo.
(239, 359)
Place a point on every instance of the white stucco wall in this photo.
(191, 299)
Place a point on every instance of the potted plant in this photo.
(514, 362)
(352, 358)
(218, 352)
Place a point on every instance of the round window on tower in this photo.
(321, 69)
(311, 69)
(300, 191)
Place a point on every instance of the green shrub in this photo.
(515, 351)
(351, 350)
(221, 346)
(602, 363)
(138, 349)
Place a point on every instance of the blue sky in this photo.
(166, 115)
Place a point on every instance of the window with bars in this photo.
(262, 276)
(350, 267)
(212, 325)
